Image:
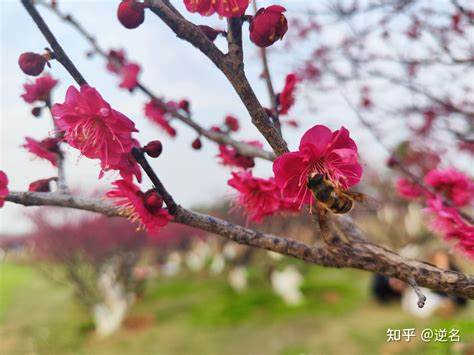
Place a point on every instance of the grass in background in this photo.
(199, 314)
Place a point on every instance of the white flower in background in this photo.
(230, 251)
(287, 283)
(196, 258)
(411, 251)
(110, 312)
(413, 220)
(238, 278)
(173, 264)
(274, 256)
(387, 214)
(218, 264)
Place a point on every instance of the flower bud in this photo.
(292, 123)
(152, 201)
(232, 123)
(268, 26)
(115, 60)
(197, 144)
(211, 33)
(172, 132)
(51, 144)
(184, 105)
(131, 13)
(36, 111)
(32, 63)
(216, 129)
(41, 185)
(153, 149)
(392, 162)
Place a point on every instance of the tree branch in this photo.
(234, 40)
(227, 64)
(220, 138)
(360, 254)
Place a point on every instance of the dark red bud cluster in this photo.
(32, 63)
(153, 149)
(131, 13)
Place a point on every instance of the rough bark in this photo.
(357, 253)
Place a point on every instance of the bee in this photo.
(331, 197)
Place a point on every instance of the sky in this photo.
(172, 68)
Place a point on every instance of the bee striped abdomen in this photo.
(341, 205)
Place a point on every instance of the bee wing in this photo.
(363, 201)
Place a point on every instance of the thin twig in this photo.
(415, 179)
(140, 158)
(266, 74)
(61, 181)
(421, 296)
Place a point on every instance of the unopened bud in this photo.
(232, 123)
(197, 144)
(41, 185)
(184, 105)
(392, 162)
(32, 63)
(152, 201)
(172, 132)
(36, 111)
(153, 149)
(131, 13)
